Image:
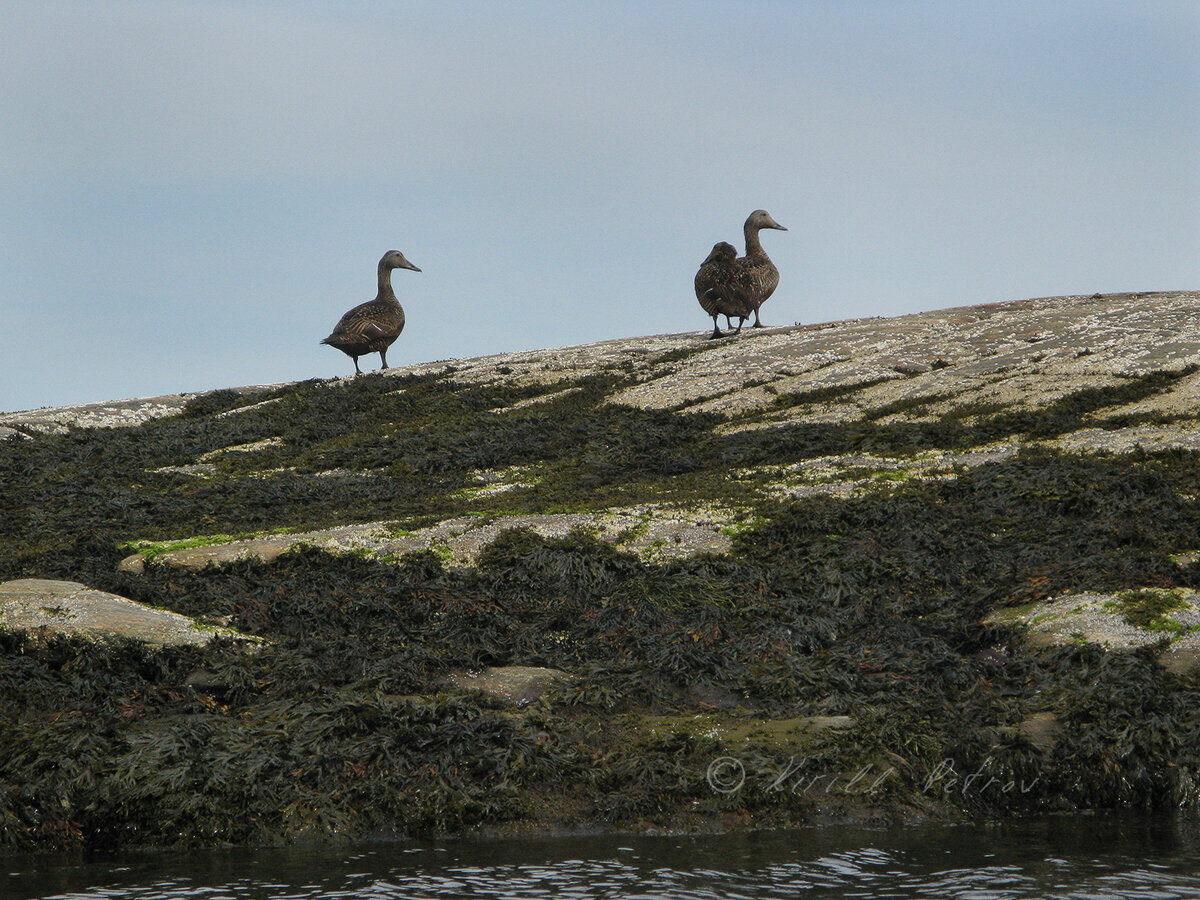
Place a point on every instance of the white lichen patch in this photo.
(251, 447)
(489, 482)
(540, 398)
(237, 411)
(197, 470)
(849, 474)
(1123, 440)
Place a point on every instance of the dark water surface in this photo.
(1077, 856)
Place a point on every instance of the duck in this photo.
(756, 267)
(371, 327)
(721, 288)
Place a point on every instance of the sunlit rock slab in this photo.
(665, 533)
(1025, 352)
(68, 607)
(1089, 617)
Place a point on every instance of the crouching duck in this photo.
(721, 287)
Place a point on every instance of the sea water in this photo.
(1078, 856)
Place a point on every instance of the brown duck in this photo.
(721, 287)
(756, 267)
(372, 326)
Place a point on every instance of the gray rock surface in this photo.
(67, 607)
(650, 532)
(1095, 618)
(106, 414)
(1024, 353)
(109, 414)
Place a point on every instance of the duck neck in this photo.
(753, 244)
(385, 283)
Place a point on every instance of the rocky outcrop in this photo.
(266, 548)
(651, 532)
(1121, 621)
(1025, 353)
(67, 607)
(911, 369)
(655, 575)
(106, 414)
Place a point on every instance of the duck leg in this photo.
(383, 359)
(717, 333)
(357, 370)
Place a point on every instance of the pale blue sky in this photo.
(194, 192)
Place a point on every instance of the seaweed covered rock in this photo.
(800, 574)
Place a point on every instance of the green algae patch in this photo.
(732, 731)
(152, 550)
(1148, 608)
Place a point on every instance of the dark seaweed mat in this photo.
(395, 447)
(108, 745)
(864, 607)
(867, 607)
(420, 439)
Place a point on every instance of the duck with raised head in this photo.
(721, 288)
(756, 267)
(371, 327)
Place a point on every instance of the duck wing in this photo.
(368, 322)
(723, 289)
(759, 277)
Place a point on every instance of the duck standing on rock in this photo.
(721, 287)
(756, 267)
(372, 326)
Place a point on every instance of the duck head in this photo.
(722, 252)
(394, 259)
(760, 218)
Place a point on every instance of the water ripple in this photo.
(959, 864)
